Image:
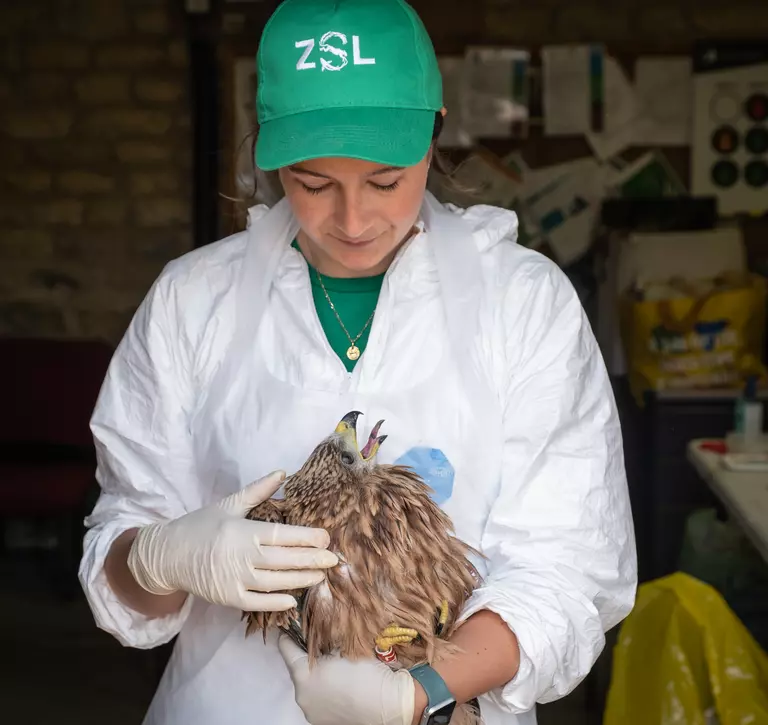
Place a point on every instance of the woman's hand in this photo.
(335, 691)
(217, 554)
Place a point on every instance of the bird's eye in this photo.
(347, 458)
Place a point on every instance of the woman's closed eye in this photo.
(314, 189)
(377, 187)
(386, 187)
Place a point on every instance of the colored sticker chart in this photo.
(730, 138)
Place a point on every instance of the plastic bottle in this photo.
(749, 412)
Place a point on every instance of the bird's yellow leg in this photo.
(443, 618)
(393, 635)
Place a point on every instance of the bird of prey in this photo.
(403, 576)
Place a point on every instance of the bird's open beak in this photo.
(347, 428)
(371, 448)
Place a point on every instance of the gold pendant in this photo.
(353, 352)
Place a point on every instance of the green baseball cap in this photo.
(352, 78)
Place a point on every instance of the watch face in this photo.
(443, 715)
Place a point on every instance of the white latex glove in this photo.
(336, 691)
(217, 554)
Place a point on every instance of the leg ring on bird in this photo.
(387, 656)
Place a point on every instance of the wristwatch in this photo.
(440, 702)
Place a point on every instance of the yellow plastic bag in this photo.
(684, 658)
(696, 340)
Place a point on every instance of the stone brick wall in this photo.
(95, 157)
(630, 25)
(95, 143)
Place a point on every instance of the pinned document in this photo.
(573, 89)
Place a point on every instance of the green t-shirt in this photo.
(355, 300)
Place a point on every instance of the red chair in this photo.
(48, 389)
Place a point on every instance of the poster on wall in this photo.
(573, 88)
(730, 135)
(495, 94)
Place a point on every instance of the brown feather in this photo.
(399, 560)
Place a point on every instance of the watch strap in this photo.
(434, 685)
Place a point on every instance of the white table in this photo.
(744, 495)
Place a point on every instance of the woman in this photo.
(357, 291)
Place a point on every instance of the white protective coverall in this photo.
(479, 349)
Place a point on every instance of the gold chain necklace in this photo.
(353, 351)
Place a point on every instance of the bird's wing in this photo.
(274, 511)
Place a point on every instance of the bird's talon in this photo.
(442, 617)
(395, 631)
(393, 635)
